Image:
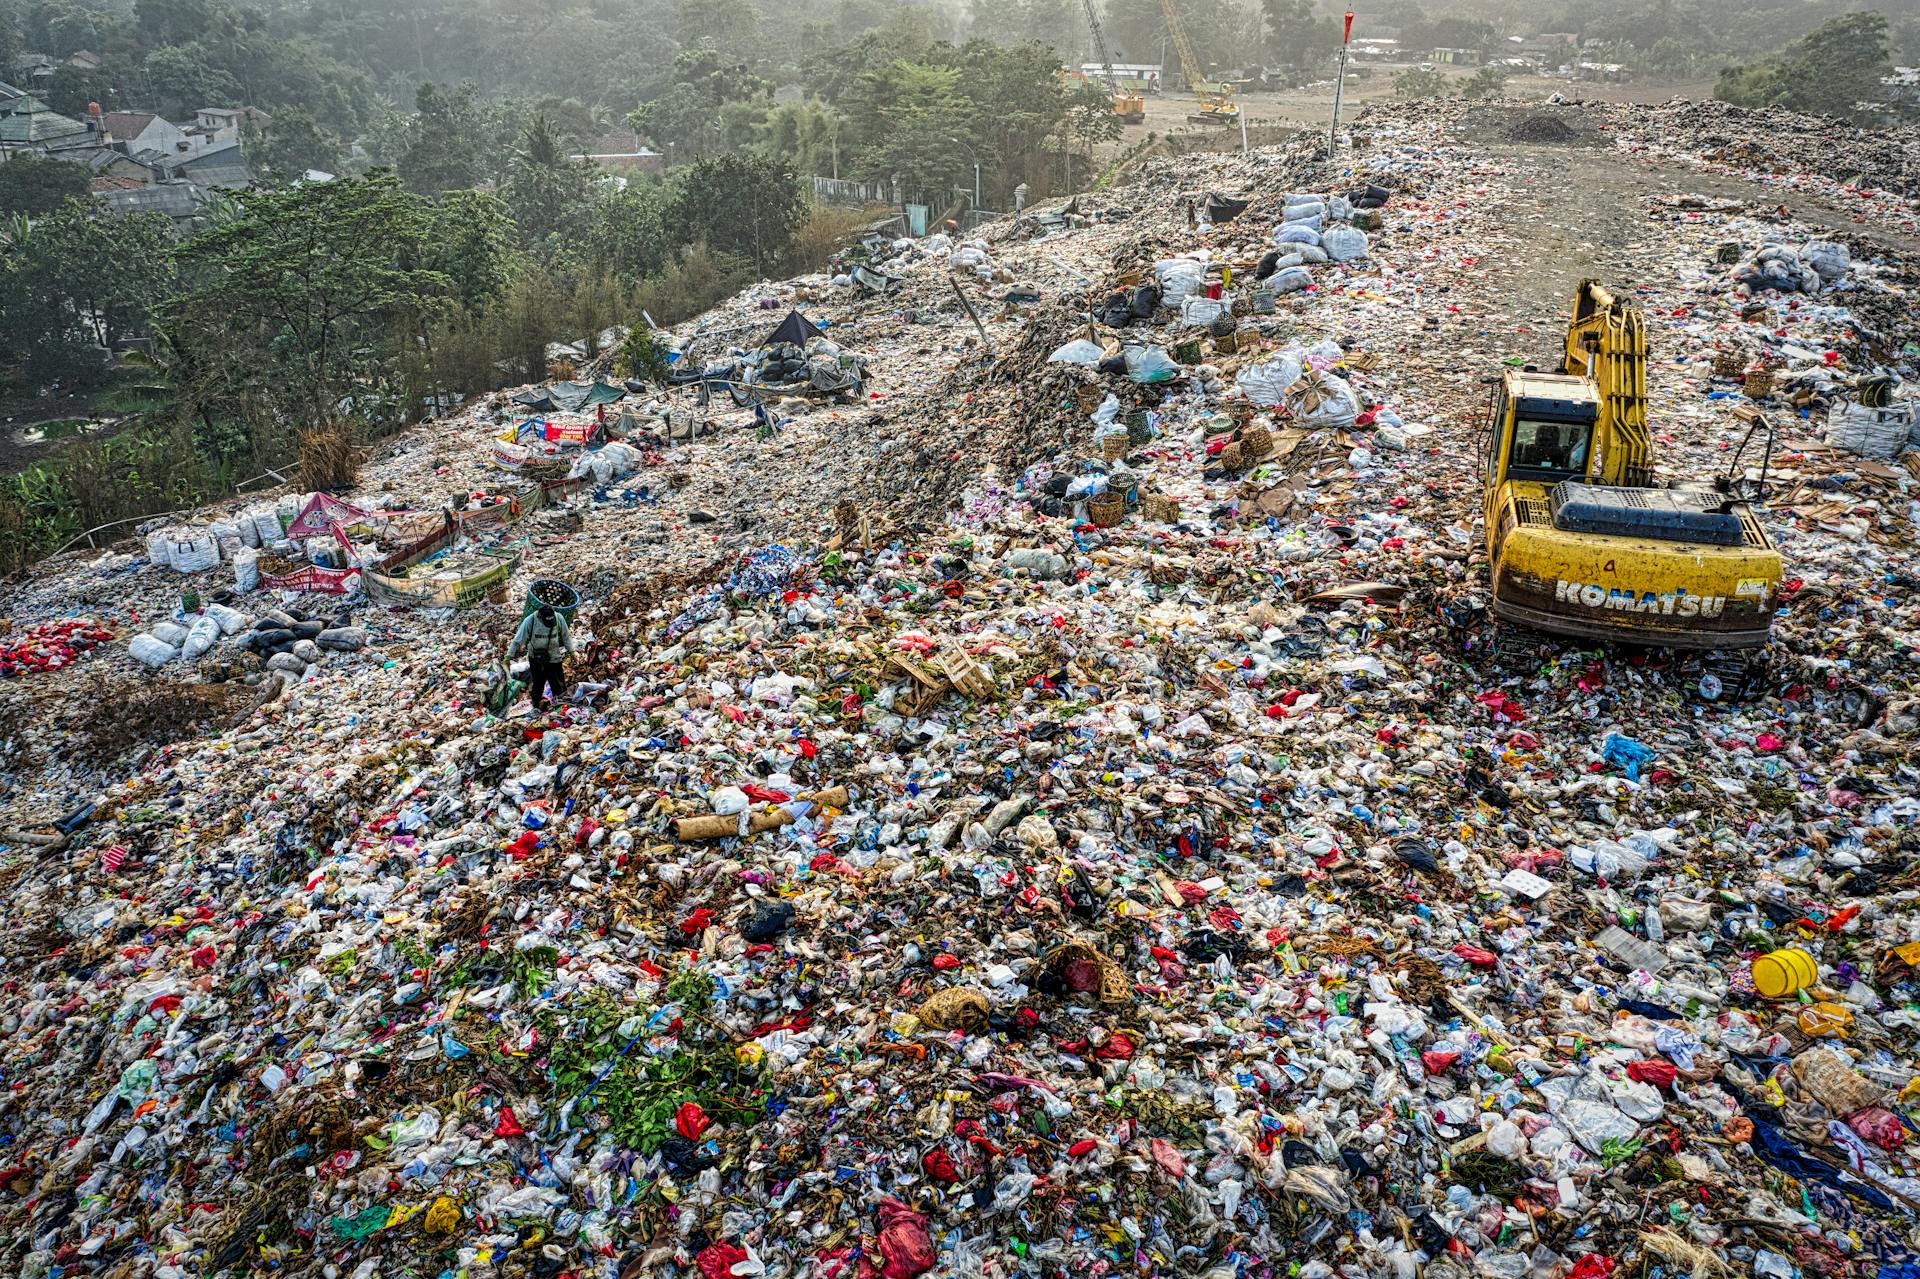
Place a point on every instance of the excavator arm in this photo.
(1607, 343)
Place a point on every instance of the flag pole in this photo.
(1340, 86)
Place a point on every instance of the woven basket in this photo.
(1233, 456)
(1241, 411)
(954, 1008)
(1113, 447)
(1242, 307)
(1228, 343)
(1160, 508)
(1187, 351)
(1091, 970)
(1106, 509)
(1729, 364)
(1759, 384)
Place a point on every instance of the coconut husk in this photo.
(955, 1008)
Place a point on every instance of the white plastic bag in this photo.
(192, 550)
(151, 652)
(229, 620)
(267, 527)
(1869, 432)
(1289, 279)
(1265, 384)
(246, 569)
(1829, 257)
(1177, 278)
(170, 633)
(200, 637)
(1344, 243)
(1197, 311)
(227, 533)
(1325, 402)
(1080, 351)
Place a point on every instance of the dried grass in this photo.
(329, 457)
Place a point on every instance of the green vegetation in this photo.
(1419, 82)
(1487, 82)
(1835, 70)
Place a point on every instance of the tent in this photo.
(324, 514)
(569, 397)
(1221, 208)
(796, 328)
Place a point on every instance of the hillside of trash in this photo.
(1041, 791)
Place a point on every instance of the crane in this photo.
(1130, 107)
(1216, 101)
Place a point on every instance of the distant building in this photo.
(226, 124)
(1456, 57)
(144, 131)
(622, 152)
(28, 124)
(85, 59)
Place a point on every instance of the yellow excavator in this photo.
(1580, 541)
(1216, 100)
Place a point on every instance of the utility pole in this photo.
(1339, 87)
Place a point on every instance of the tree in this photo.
(75, 88)
(731, 27)
(443, 142)
(548, 190)
(1089, 119)
(34, 185)
(1297, 35)
(745, 204)
(1837, 70)
(1487, 82)
(1419, 82)
(470, 241)
(627, 229)
(907, 118)
(80, 279)
(308, 279)
(685, 120)
(62, 28)
(295, 144)
(182, 79)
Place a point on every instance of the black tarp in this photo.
(1222, 208)
(796, 328)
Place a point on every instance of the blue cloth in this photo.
(1626, 754)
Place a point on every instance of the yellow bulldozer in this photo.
(1580, 541)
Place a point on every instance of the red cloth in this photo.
(717, 1260)
(1660, 1074)
(691, 1120)
(905, 1246)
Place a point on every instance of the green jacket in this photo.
(535, 636)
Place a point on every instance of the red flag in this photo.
(1346, 32)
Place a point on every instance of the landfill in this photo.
(1054, 805)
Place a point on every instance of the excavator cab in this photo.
(1579, 540)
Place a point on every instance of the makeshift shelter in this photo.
(324, 514)
(1221, 208)
(569, 397)
(796, 328)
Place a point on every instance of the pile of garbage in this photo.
(1066, 813)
